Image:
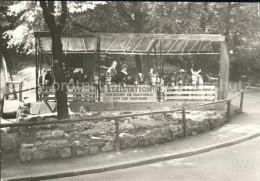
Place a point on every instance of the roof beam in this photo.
(66, 47)
(193, 45)
(186, 42)
(137, 45)
(127, 45)
(144, 53)
(84, 44)
(199, 46)
(211, 46)
(172, 46)
(205, 37)
(151, 46)
(111, 45)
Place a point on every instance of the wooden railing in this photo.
(191, 92)
(84, 93)
(20, 84)
(116, 118)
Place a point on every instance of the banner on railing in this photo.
(130, 93)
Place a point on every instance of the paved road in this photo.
(240, 162)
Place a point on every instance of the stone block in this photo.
(25, 154)
(62, 143)
(165, 130)
(95, 139)
(173, 129)
(76, 143)
(46, 142)
(43, 147)
(158, 117)
(193, 133)
(85, 141)
(53, 152)
(64, 152)
(24, 145)
(93, 150)
(83, 150)
(37, 155)
(106, 138)
(38, 143)
(107, 147)
(98, 144)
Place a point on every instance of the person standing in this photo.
(122, 75)
(111, 72)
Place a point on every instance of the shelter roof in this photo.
(135, 43)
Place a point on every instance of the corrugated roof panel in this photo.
(119, 45)
(205, 47)
(144, 45)
(133, 44)
(105, 43)
(195, 48)
(74, 44)
(190, 45)
(179, 46)
(45, 44)
(166, 45)
(91, 44)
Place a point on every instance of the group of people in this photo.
(71, 76)
(183, 77)
(121, 76)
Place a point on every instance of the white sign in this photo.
(130, 93)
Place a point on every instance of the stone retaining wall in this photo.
(94, 137)
(37, 108)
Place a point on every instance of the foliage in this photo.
(239, 22)
(30, 19)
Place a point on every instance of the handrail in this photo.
(113, 117)
(236, 94)
(211, 103)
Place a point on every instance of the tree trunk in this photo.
(203, 18)
(138, 29)
(61, 92)
(57, 54)
(136, 23)
(227, 21)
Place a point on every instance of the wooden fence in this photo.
(80, 93)
(205, 92)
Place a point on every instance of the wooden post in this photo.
(36, 68)
(242, 100)
(99, 76)
(228, 109)
(224, 71)
(117, 135)
(20, 92)
(159, 98)
(155, 57)
(184, 123)
(2, 105)
(148, 62)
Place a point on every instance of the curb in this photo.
(128, 164)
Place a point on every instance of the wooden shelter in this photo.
(92, 44)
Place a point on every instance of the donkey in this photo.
(196, 78)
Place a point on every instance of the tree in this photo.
(133, 14)
(56, 26)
